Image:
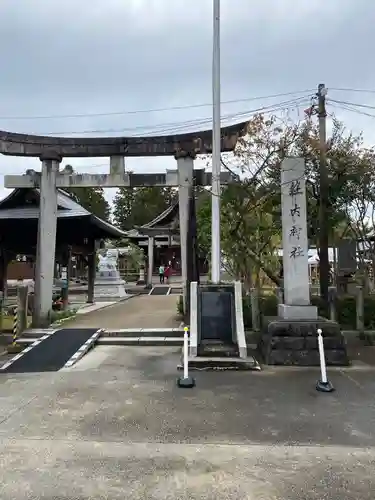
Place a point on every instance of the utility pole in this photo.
(324, 195)
(216, 148)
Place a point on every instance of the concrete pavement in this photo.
(143, 311)
(116, 426)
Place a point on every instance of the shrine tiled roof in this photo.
(23, 204)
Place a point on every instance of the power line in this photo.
(353, 110)
(368, 106)
(181, 127)
(154, 110)
(164, 127)
(363, 91)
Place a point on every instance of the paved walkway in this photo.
(116, 426)
(144, 311)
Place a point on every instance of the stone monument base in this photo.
(104, 289)
(297, 312)
(295, 342)
(141, 280)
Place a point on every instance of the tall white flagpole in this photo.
(216, 147)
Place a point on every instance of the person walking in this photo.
(167, 273)
(161, 273)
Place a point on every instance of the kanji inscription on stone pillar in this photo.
(295, 242)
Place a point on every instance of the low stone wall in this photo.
(284, 342)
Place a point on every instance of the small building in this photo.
(164, 231)
(77, 231)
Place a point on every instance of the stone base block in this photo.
(15, 348)
(297, 312)
(218, 350)
(193, 351)
(286, 342)
(109, 290)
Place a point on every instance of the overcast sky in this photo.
(86, 57)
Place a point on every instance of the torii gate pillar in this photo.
(46, 243)
(185, 169)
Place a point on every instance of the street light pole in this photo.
(216, 148)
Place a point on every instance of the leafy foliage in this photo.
(249, 237)
(137, 206)
(93, 200)
(251, 207)
(345, 307)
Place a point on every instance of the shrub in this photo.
(60, 315)
(345, 310)
(267, 306)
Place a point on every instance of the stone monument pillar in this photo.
(291, 338)
(295, 244)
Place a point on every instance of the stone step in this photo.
(144, 332)
(132, 340)
(25, 341)
(137, 341)
(141, 341)
(36, 333)
(127, 332)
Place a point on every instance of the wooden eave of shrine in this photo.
(165, 224)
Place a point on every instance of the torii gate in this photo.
(51, 151)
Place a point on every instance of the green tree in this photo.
(249, 237)
(93, 200)
(137, 206)
(123, 204)
(251, 208)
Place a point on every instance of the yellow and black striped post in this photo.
(15, 324)
(19, 318)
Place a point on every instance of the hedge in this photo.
(345, 310)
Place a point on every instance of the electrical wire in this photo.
(353, 110)
(162, 128)
(367, 106)
(240, 116)
(153, 110)
(363, 91)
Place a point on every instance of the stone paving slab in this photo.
(120, 428)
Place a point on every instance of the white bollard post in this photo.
(323, 385)
(186, 354)
(186, 382)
